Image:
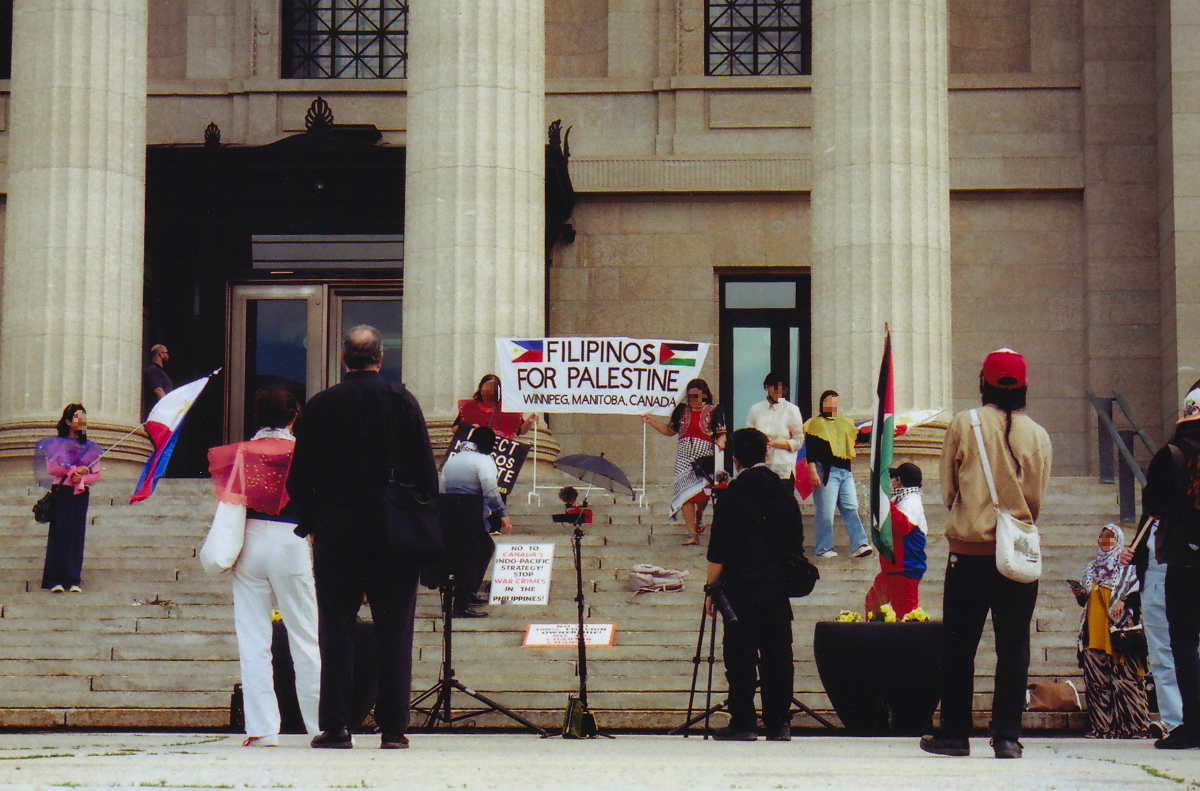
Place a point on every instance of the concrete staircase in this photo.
(149, 642)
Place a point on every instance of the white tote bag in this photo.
(1018, 546)
(224, 542)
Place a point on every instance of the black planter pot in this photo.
(881, 678)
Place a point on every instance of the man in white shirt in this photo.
(783, 424)
(472, 471)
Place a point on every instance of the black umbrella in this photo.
(597, 471)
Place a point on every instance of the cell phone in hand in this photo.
(1075, 586)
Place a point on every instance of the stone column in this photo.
(72, 299)
(474, 224)
(881, 200)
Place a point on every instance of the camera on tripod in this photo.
(716, 591)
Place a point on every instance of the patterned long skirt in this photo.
(687, 483)
(1116, 696)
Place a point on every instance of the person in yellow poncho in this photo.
(829, 442)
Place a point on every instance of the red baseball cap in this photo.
(1005, 369)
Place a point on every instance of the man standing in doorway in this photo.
(157, 381)
(346, 439)
(783, 424)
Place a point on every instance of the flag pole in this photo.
(118, 442)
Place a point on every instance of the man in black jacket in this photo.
(1173, 493)
(756, 528)
(347, 439)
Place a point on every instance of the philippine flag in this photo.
(526, 351)
(163, 427)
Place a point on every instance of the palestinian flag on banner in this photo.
(683, 354)
(883, 428)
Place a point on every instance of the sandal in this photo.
(691, 542)
(699, 530)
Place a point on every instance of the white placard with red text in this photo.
(521, 574)
(566, 635)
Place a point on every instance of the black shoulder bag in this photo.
(43, 509)
(413, 528)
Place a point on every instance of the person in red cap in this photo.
(1018, 451)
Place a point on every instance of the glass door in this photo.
(380, 309)
(271, 343)
(765, 327)
(291, 335)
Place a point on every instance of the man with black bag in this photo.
(756, 530)
(354, 442)
(1172, 493)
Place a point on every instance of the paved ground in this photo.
(446, 761)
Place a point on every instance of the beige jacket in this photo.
(971, 529)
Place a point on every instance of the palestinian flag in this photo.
(883, 429)
(677, 353)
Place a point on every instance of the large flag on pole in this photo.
(883, 429)
(163, 427)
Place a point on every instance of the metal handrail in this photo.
(1126, 455)
(1133, 421)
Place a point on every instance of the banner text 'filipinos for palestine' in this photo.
(595, 375)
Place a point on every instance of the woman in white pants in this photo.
(273, 559)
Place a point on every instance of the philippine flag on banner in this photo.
(163, 427)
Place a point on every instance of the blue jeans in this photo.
(1158, 640)
(838, 490)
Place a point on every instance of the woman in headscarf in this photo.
(700, 425)
(829, 447)
(67, 464)
(253, 475)
(1115, 692)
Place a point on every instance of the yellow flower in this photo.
(916, 615)
(846, 616)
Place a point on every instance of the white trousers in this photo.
(275, 558)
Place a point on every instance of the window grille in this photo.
(758, 37)
(345, 39)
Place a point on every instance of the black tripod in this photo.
(710, 709)
(579, 722)
(460, 518)
(439, 711)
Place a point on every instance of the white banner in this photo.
(627, 376)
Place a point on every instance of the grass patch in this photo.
(36, 755)
(1150, 770)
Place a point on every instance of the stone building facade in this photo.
(1020, 173)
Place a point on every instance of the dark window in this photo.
(6, 29)
(345, 39)
(758, 37)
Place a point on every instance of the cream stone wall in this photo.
(1018, 280)
(1053, 106)
(1178, 114)
(646, 266)
(1120, 206)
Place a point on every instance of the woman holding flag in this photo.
(67, 464)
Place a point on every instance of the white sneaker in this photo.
(829, 553)
(76, 589)
(261, 741)
(863, 551)
(58, 589)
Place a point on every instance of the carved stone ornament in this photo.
(319, 117)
